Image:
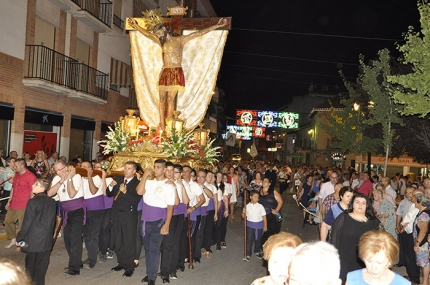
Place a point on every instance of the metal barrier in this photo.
(46, 64)
(101, 9)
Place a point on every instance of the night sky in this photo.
(277, 48)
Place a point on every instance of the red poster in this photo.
(34, 141)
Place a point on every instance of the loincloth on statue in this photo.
(172, 79)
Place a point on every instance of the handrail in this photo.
(49, 65)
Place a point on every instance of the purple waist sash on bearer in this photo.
(211, 205)
(108, 202)
(73, 205)
(180, 209)
(195, 213)
(95, 203)
(151, 214)
(255, 225)
(204, 210)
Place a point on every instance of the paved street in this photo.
(224, 267)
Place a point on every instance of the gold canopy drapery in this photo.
(201, 61)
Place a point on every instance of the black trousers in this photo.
(220, 229)
(91, 234)
(199, 238)
(73, 238)
(36, 264)
(208, 230)
(125, 226)
(170, 246)
(183, 243)
(139, 240)
(107, 233)
(273, 227)
(407, 241)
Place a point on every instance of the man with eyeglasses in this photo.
(208, 194)
(197, 199)
(170, 245)
(68, 185)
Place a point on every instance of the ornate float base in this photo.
(147, 159)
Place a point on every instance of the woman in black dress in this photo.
(272, 203)
(347, 230)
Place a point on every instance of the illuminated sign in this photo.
(267, 119)
(246, 132)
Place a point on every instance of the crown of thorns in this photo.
(154, 19)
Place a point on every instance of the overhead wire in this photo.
(286, 71)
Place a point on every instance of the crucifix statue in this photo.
(167, 34)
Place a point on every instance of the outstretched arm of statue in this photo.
(132, 22)
(221, 23)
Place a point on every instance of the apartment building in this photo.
(65, 71)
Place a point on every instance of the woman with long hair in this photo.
(272, 203)
(40, 164)
(348, 229)
(221, 213)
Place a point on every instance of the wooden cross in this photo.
(176, 23)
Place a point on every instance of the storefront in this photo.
(6, 116)
(401, 165)
(81, 137)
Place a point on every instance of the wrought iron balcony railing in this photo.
(118, 22)
(46, 64)
(101, 9)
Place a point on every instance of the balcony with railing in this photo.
(57, 73)
(117, 21)
(96, 14)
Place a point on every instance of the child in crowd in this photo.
(256, 224)
(35, 236)
(313, 209)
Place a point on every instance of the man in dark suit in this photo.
(124, 216)
(37, 231)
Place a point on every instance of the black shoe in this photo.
(67, 268)
(165, 280)
(117, 268)
(196, 260)
(145, 279)
(151, 282)
(181, 267)
(72, 272)
(173, 276)
(128, 273)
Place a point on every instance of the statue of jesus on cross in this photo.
(172, 77)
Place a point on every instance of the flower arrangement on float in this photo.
(176, 144)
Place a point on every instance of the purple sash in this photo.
(180, 209)
(195, 213)
(140, 205)
(221, 209)
(108, 202)
(255, 225)
(95, 203)
(72, 205)
(211, 205)
(204, 210)
(151, 214)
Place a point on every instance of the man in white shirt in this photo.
(159, 198)
(326, 189)
(94, 201)
(68, 185)
(388, 189)
(197, 199)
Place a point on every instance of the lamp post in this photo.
(359, 134)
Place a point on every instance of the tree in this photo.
(413, 90)
(382, 108)
(346, 126)
(414, 139)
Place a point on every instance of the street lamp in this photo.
(360, 135)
